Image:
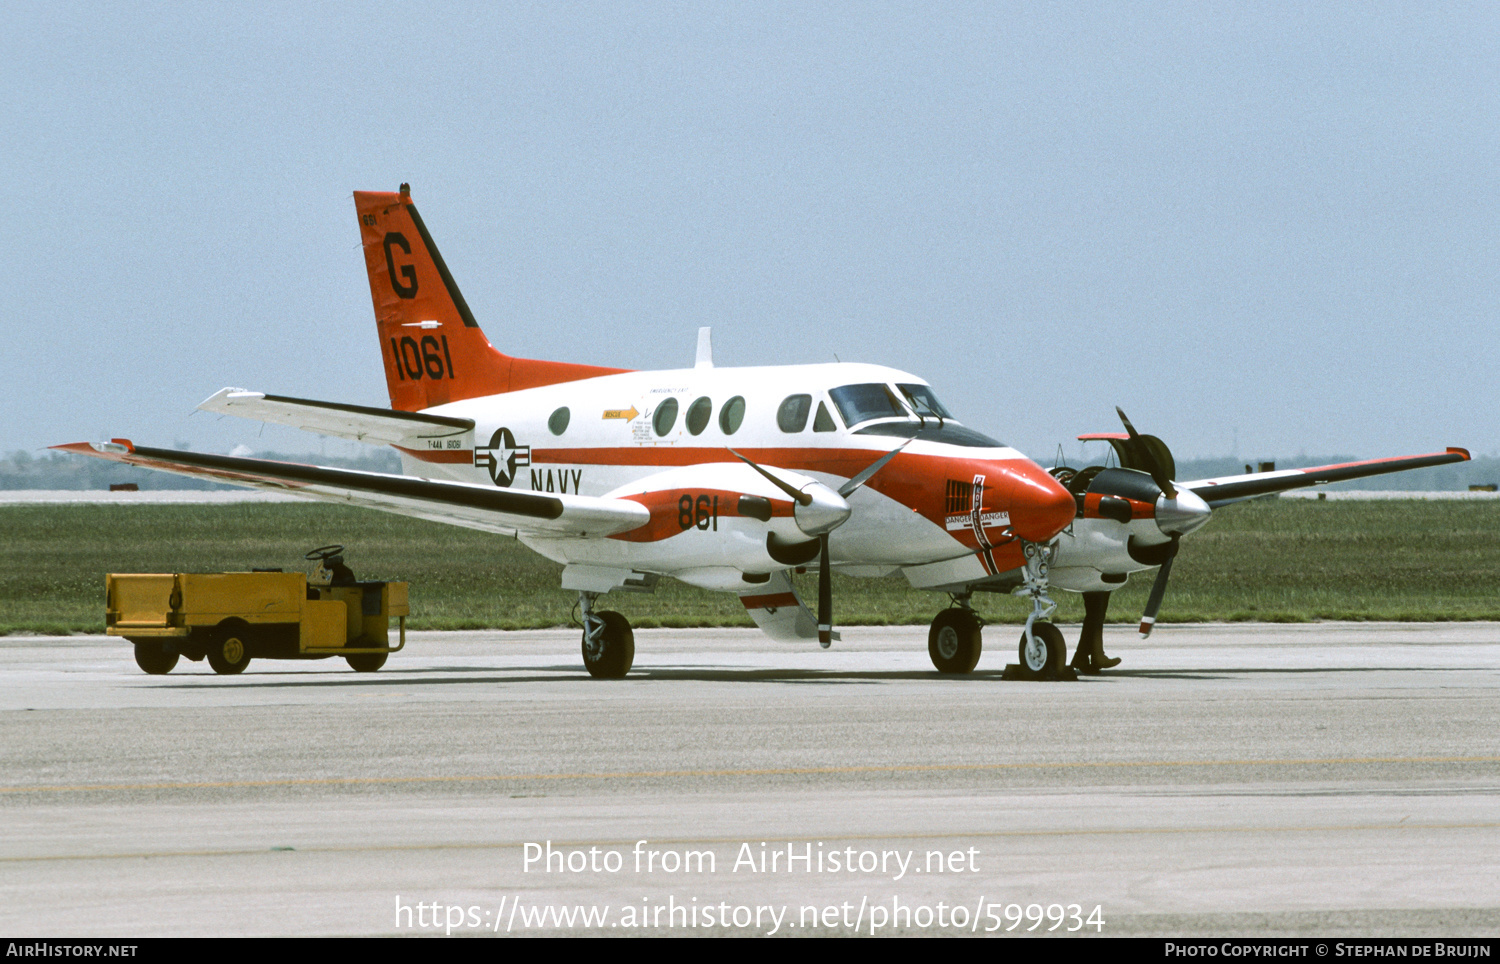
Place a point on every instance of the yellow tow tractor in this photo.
(229, 617)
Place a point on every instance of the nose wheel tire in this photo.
(229, 652)
(954, 641)
(612, 651)
(155, 658)
(1043, 658)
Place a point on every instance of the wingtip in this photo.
(1455, 450)
(115, 446)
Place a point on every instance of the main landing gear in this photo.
(608, 642)
(953, 642)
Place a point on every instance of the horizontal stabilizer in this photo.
(455, 503)
(358, 423)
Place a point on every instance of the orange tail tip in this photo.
(433, 348)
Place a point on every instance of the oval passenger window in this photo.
(558, 423)
(665, 417)
(732, 414)
(697, 415)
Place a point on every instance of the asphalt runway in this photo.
(1317, 780)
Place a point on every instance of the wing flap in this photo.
(1235, 488)
(359, 423)
(455, 503)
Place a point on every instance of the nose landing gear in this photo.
(1043, 653)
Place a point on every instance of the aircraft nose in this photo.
(1040, 507)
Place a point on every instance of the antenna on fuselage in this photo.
(705, 348)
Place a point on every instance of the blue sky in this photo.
(1270, 227)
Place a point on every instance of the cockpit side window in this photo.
(792, 415)
(860, 403)
(823, 422)
(923, 401)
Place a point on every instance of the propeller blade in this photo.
(797, 495)
(848, 488)
(825, 595)
(1158, 590)
(1159, 474)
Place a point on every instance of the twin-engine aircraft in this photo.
(729, 478)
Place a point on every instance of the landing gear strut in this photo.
(953, 642)
(1089, 657)
(1042, 649)
(608, 642)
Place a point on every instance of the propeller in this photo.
(868, 473)
(1177, 512)
(825, 510)
(1152, 453)
(1158, 589)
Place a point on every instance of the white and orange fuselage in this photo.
(663, 439)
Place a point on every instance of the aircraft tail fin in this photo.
(434, 350)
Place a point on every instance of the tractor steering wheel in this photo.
(324, 552)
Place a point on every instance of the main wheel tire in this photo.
(229, 650)
(1045, 658)
(154, 656)
(955, 640)
(614, 652)
(366, 662)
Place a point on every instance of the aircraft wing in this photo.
(1236, 488)
(455, 503)
(359, 423)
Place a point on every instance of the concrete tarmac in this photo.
(1311, 780)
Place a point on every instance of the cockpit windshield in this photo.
(860, 403)
(923, 401)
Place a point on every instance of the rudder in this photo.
(434, 350)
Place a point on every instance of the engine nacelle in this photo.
(1125, 523)
(709, 524)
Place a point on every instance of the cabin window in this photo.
(732, 414)
(860, 403)
(697, 415)
(665, 417)
(823, 422)
(792, 415)
(923, 402)
(558, 423)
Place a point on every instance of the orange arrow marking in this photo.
(626, 413)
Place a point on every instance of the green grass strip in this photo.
(1274, 560)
